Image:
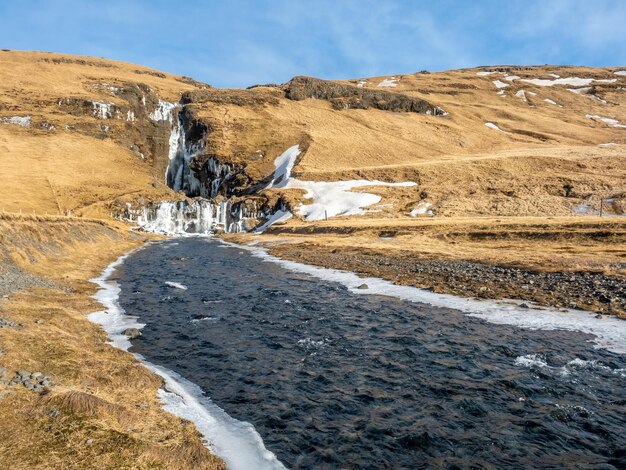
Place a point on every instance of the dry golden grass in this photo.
(103, 407)
(539, 243)
(76, 167)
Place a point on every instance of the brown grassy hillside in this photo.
(546, 159)
(70, 158)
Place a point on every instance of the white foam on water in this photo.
(236, 442)
(538, 361)
(531, 360)
(608, 332)
(176, 285)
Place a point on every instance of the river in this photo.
(332, 379)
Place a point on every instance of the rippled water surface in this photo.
(331, 379)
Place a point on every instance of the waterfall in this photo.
(200, 216)
(179, 176)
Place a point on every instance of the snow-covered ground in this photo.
(580, 91)
(549, 101)
(328, 199)
(493, 126)
(389, 82)
(277, 217)
(570, 81)
(24, 121)
(610, 121)
(423, 208)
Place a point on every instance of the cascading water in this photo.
(203, 215)
(179, 176)
(182, 217)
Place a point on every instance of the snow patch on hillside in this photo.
(570, 81)
(329, 199)
(610, 121)
(580, 91)
(389, 82)
(493, 126)
(423, 208)
(276, 218)
(23, 121)
(549, 101)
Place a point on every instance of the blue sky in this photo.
(242, 42)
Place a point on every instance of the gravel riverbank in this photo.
(583, 290)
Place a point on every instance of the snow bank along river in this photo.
(330, 378)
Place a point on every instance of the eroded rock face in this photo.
(132, 123)
(344, 96)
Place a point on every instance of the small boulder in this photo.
(363, 286)
(132, 333)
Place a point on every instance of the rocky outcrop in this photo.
(250, 97)
(343, 96)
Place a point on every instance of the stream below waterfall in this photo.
(333, 379)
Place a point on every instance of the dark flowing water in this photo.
(331, 379)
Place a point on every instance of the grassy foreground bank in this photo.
(99, 408)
